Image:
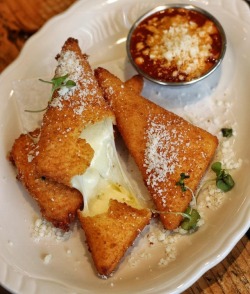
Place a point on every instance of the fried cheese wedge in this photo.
(111, 233)
(76, 147)
(62, 153)
(58, 203)
(163, 145)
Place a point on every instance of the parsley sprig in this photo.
(57, 83)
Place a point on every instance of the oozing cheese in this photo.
(104, 179)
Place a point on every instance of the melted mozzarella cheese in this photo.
(104, 179)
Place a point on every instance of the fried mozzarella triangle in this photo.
(62, 153)
(111, 233)
(163, 145)
(58, 203)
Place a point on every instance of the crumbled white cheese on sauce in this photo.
(174, 46)
(184, 44)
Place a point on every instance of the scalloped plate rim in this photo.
(232, 239)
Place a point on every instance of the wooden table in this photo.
(19, 19)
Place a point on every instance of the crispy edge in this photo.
(58, 203)
(110, 234)
(135, 83)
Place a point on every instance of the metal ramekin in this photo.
(185, 6)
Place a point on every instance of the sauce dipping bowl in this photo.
(176, 44)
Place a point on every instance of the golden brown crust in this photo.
(110, 234)
(58, 203)
(163, 145)
(135, 83)
(61, 153)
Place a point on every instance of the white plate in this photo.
(101, 27)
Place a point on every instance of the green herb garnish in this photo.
(57, 83)
(191, 215)
(181, 183)
(227, 132)
(190, 222)
(224, 180)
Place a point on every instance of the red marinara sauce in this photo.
(176, 45)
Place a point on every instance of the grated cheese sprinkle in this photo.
(161, 153)
(69, 63)
(44, 229)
